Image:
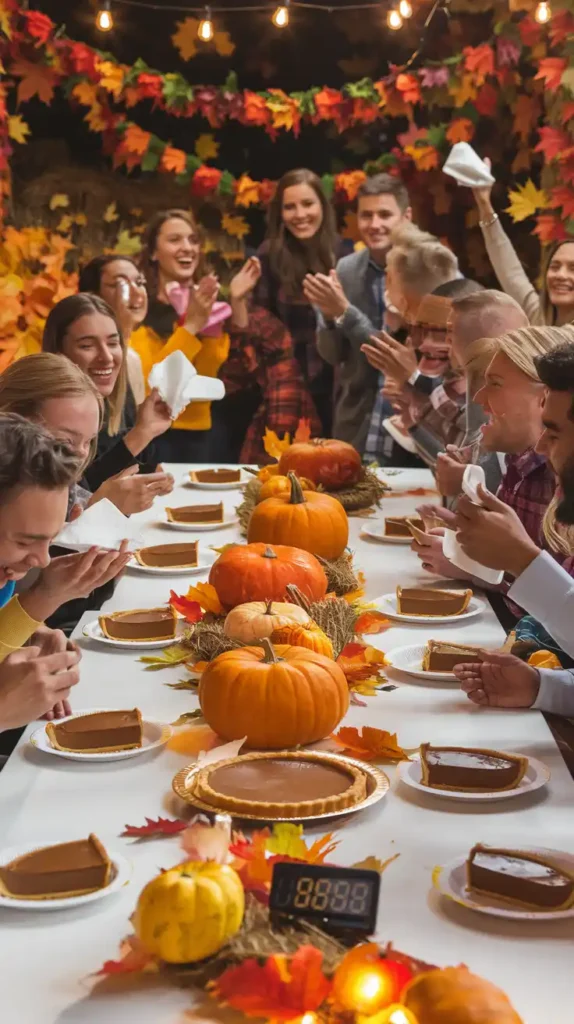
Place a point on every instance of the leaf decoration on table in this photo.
(374, 864)
(273, 444)
(133, 959)
(190, 610)
(280, 989)
(206, 596)
(371, 622)
(188, 716)
(193, 740)
(363, 666)
(154, 827)
(185, 684)
(205, 840)
(175, 655)
(303, 432)
(254, 858)
(370, 744)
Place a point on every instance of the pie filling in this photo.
(442, 657)
(416, 601)
(216, 476)
(139, 624)
(100, 732)
(175, 555)
(398, 526)
(196, 514)
(457, 768)
(67, 869)
(522, 879)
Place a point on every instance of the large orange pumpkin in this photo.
(455, 996)
(276, 697)
(313, 520)
(334, 464)
(279, 486)
(261, 572)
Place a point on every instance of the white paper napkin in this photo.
(466, 167)
(451, 549)
(179, 383)
(101, 525)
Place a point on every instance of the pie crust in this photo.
(186, 555)
(164, 616)
(109, 724)
(352, 791)
(429, 602)
(450, 772)
(100, 866)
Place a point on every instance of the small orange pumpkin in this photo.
(327, 461)
(312, 520)
(455, 996)
(276, 698)
(280, 486)
(261, 572)
(310, 636)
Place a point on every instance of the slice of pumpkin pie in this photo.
(63, 870)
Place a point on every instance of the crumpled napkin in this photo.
(179, 383)
(466, 167)
(101, 525)
(451, 549)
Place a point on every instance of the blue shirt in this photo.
(7, 592)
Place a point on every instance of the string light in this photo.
(543, 13)
(104, 20)
(281, 16)
(205, 30)
(394, 20)
(405, 9)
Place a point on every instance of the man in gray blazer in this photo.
(351, 304)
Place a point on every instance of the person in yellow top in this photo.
(183, 316)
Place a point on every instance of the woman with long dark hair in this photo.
(301, 239)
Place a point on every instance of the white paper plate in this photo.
(409, 659)
(388, 605)
(155, 734)
(450, 881)
(536, 776)
(205, 560)
(376, 532)
(121, 872)
(404, 440)
(229, 519)
(92, 631)
(244, 479)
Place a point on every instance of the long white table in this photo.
(46, 958)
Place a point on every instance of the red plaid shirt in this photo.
(262, 354)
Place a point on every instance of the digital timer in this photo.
(339, 898)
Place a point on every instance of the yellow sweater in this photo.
(207, 355)
(16, 627)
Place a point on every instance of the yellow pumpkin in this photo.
(258, 619)
(280, 486)
(276, 698)
(190, 912)
(313, 521)
(308, 635)
(455, 996)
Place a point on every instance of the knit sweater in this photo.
(510, 273)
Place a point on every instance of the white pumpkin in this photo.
(259, 619)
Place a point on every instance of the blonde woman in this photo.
(85, 330)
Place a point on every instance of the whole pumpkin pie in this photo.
(281, 785)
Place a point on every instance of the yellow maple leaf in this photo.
(5, 25)
(246, 191)
(374, 864)
(206, 596)
(273, 444)
(206, 148)
(185, 39)
(126, 244)
(95, 119)
(237, 227)
(59, 200)
(86, 93)
(65, 223)
(525, 201)
(464, 90)
(112, 76)
(111, 213)
(18, 129)
(81, 220)
(287, 840)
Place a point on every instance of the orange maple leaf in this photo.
(463, 90)
(425, 158)
(280, 989)
(206, 596)
(460, 130)
(361, 662)
(303, 432)
(190, 610)
(246, 191)
(371, 622)
(550, 229)
(194, 739)
(526, 114)
(554, 142)
(370, 744)
(35, 80)
(550, 71)
(135, 140)
(350, 182)
(273, 444)
(480, 60)
(174, 160)
(409, 87)
(255, 110)
(132, 959)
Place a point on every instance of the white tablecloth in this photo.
(46, 958)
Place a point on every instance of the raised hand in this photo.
(244, 281)
(201, 299)
(326, 292)
(390, 357)
(483, 195)
(132, 491)
(153, 418)
(31, 685)
(499, 681)
(493, 535)
(448, 474)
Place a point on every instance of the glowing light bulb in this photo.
(281, 17)
(543, 13)
(104, 20)
(394, 20)
(309, 1018)
(405, 9)
(205, 30)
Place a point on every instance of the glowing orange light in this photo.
(366, 983)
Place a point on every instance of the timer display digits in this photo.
(345, 897)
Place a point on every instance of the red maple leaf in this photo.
(568, 111)
(553, 142)
(562, 198)
(530, 31)
(280, 989)
(133, 958)
(487, 100)
(561, 26)
(154, 827)
(35, 80)
(190, 610)
(550, 228)
(39, 25)
(550, 71)
(479, 59)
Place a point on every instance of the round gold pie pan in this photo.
(377, 787)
